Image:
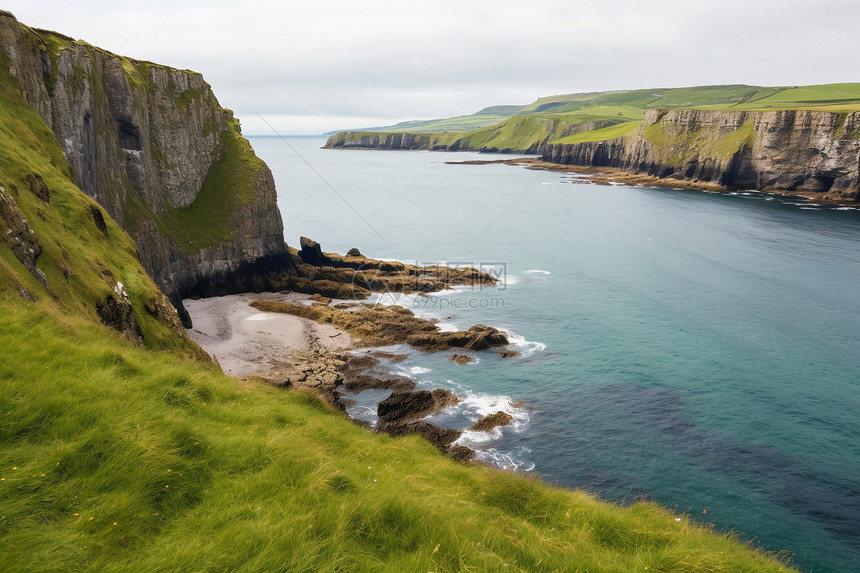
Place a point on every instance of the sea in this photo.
(698, 350)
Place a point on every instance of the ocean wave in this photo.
(446, 326)
(506, 460)
(538, 272)
(416, 370)
(475, 406)
(526, 347)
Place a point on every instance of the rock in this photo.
(379, 381)
(439, 437)
(461, 454)
(478, 337)
(400, 414)
(99, 219)
(16, 233)
(116, 312)
(320, 299)
(405, 406)
(38, 187)
(391, 356)
(460, 359)
(508, 353)
(491, 421)
(311, 252)
(353, 252)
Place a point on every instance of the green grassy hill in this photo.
(117, 455)
(549, 119)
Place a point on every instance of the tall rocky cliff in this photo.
(152, 145)
(793, 150)
(517, 135)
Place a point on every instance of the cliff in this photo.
(154, 148)
(796, 150)
(791, 150)
(518, 134)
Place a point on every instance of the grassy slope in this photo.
(80, 263)
(120, 458)
(483, 118)
(148, 463)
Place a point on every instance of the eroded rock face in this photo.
(795, 150)
(407, 406)
(19, 236)
(400, 414)
(142, 139)
(491, 421)
(116, 312)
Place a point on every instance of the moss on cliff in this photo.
(677, 147)
(230, 184)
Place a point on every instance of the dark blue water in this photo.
(699, 350)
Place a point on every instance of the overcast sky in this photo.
(320, 65)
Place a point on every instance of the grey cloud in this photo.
(391, 59)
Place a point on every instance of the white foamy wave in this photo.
(419, 370)
(506, 460)
(475, 440)
(446, 326)
(476, 406)
(538, 272)
(526, 347)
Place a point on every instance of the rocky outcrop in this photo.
(491, 421)
(379, 140)
(16, 233)
(794, 150)
(155, 149)
(400, 414)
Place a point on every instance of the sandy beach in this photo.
(248, 342)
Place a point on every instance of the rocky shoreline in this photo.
(618, 176)
(329, 347)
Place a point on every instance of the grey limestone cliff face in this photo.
(794, 150)
(144, 140)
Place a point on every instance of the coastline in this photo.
(247, 342)
(618, 176)
(336, 348)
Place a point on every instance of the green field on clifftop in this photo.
(544, 120)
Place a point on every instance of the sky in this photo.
(315, 66)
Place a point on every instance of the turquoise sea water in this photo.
(699, 350)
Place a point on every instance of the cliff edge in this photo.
(791, 150)
(152, 145)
